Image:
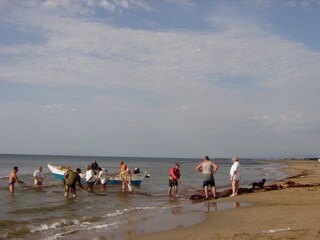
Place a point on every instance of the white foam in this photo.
(127, 210)
(277, 230)
(56, 225)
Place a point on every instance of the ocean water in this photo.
(46, 214)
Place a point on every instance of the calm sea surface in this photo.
(46, 214)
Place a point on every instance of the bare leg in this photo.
(11, 189)
(206, 191)
(129, 187)
(169, 191)
(74, 193)
(236, 184)
(66, 191)
(235, 188)
(213, 189)
(176, 190)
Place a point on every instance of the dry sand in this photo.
(290, 213)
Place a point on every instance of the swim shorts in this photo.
(173, 182)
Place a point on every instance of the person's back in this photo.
(72, 178)
(207, 167)
(207, 171)
(123, 167)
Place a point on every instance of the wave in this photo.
(127, 210)
(60, 228)
(39, 210)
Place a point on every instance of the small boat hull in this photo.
(58, 172)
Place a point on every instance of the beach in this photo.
(148, 212)
(290, 213)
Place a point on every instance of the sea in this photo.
(34, 213)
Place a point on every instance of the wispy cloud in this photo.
(235, 75)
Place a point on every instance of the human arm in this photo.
(17, 179)
(199, 167)
(38, 176)
(215, 166)
(173, 174)
(79, 181)
(234, 171)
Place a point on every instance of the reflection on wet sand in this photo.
(235, 204)
(208, 205)
(213, 206)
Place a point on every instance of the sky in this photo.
(160, 78)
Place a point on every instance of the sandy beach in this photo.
(289, 213)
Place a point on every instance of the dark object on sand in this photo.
(258, 185)
(228, 192)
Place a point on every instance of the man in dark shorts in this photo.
(71, 179)
(13, 178)
(208, 168)
(173, 179)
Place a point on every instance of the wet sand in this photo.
(290, 213)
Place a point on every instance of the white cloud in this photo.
(183, 67)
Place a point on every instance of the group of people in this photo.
(96, 174)
(13, 178)
(207, 168)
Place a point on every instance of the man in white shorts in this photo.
(235, 175)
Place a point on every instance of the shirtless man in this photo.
(13, 178)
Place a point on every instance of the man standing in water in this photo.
(208, 168)
(71, 179)
(13, 178)
(38, 177)
(125, 176)
(90, 178)
(235, 174)
(173, 179)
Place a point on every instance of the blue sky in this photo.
(161, 78)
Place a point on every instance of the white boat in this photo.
(137, 176)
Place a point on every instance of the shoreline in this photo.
(290, 213)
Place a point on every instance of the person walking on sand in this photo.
(71, 178)
(235, 175)
(38, 177)
(13, 178)
(208, 169)
(174, 177)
